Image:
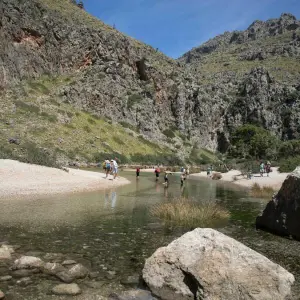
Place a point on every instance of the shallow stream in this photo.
(112, 232)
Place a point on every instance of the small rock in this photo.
(132, 280)
(66, 289)
(65, 276)
(24, 281)
(69, 262)
(24, 273)
(94, 275)
(14, 141)
(53, 268)
(5, 252)
(110, 274)
(5, 278)
(28, 262)
(95, 284)
(2, 296)
(132, 295)
(79, 271)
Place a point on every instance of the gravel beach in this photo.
(20, 180)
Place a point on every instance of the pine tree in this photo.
(80, 5)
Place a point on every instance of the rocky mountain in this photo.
(54, 55)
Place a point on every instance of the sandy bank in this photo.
(20, 180)
(274, 180)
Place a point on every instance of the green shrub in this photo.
(87, 129)
(92, 121)
(133, 99)
(50, 118)
(69, 125)
(37, 86)
(118, 140)
(289, 164)
(130, 126)
(169, 133)
(27, 107)
(38, 156)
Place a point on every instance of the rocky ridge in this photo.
(181, 104)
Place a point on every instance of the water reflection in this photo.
(110, 199)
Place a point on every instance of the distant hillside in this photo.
(77, 88)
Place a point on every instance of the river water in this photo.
(112, 232)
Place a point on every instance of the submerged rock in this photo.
(132, 295)
(5, 252)
(5, 278)
(282, 213)
(78, 271)
(65, 276)
(69, 262)
(24, 281)
(206, 264)
(53, 268)
(66, 289)
(24, 273)
(28, 262)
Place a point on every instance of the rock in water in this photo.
(66, 289)
(5, 252)
(79, 271)
(206, 264)
(282, 213)
(2, 296)
(28, 262)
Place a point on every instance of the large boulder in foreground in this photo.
(282, 213)
(206, 264)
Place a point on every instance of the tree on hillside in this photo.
(80, 5)
(250, 141)
(73, 2)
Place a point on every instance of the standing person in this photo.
(268, 168)
(166, 179)
(261, 169)
(157, 172)
(208, 171)
(187, 171)
(181, 170)
(138, 170)
(182, 178)
(107, 167)
(115, 168)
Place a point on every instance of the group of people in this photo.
(111, 167)
(265, 168)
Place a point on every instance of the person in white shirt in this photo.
(114, 168)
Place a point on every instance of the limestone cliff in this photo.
(197, 101)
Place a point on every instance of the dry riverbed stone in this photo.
(66, 289)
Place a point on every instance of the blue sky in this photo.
(176, 26)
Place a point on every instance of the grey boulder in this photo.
(206, 264)
(282, 213)
(66, 289)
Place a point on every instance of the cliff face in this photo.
(197, 101)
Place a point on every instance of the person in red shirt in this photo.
(157, 172)
(138, 170)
